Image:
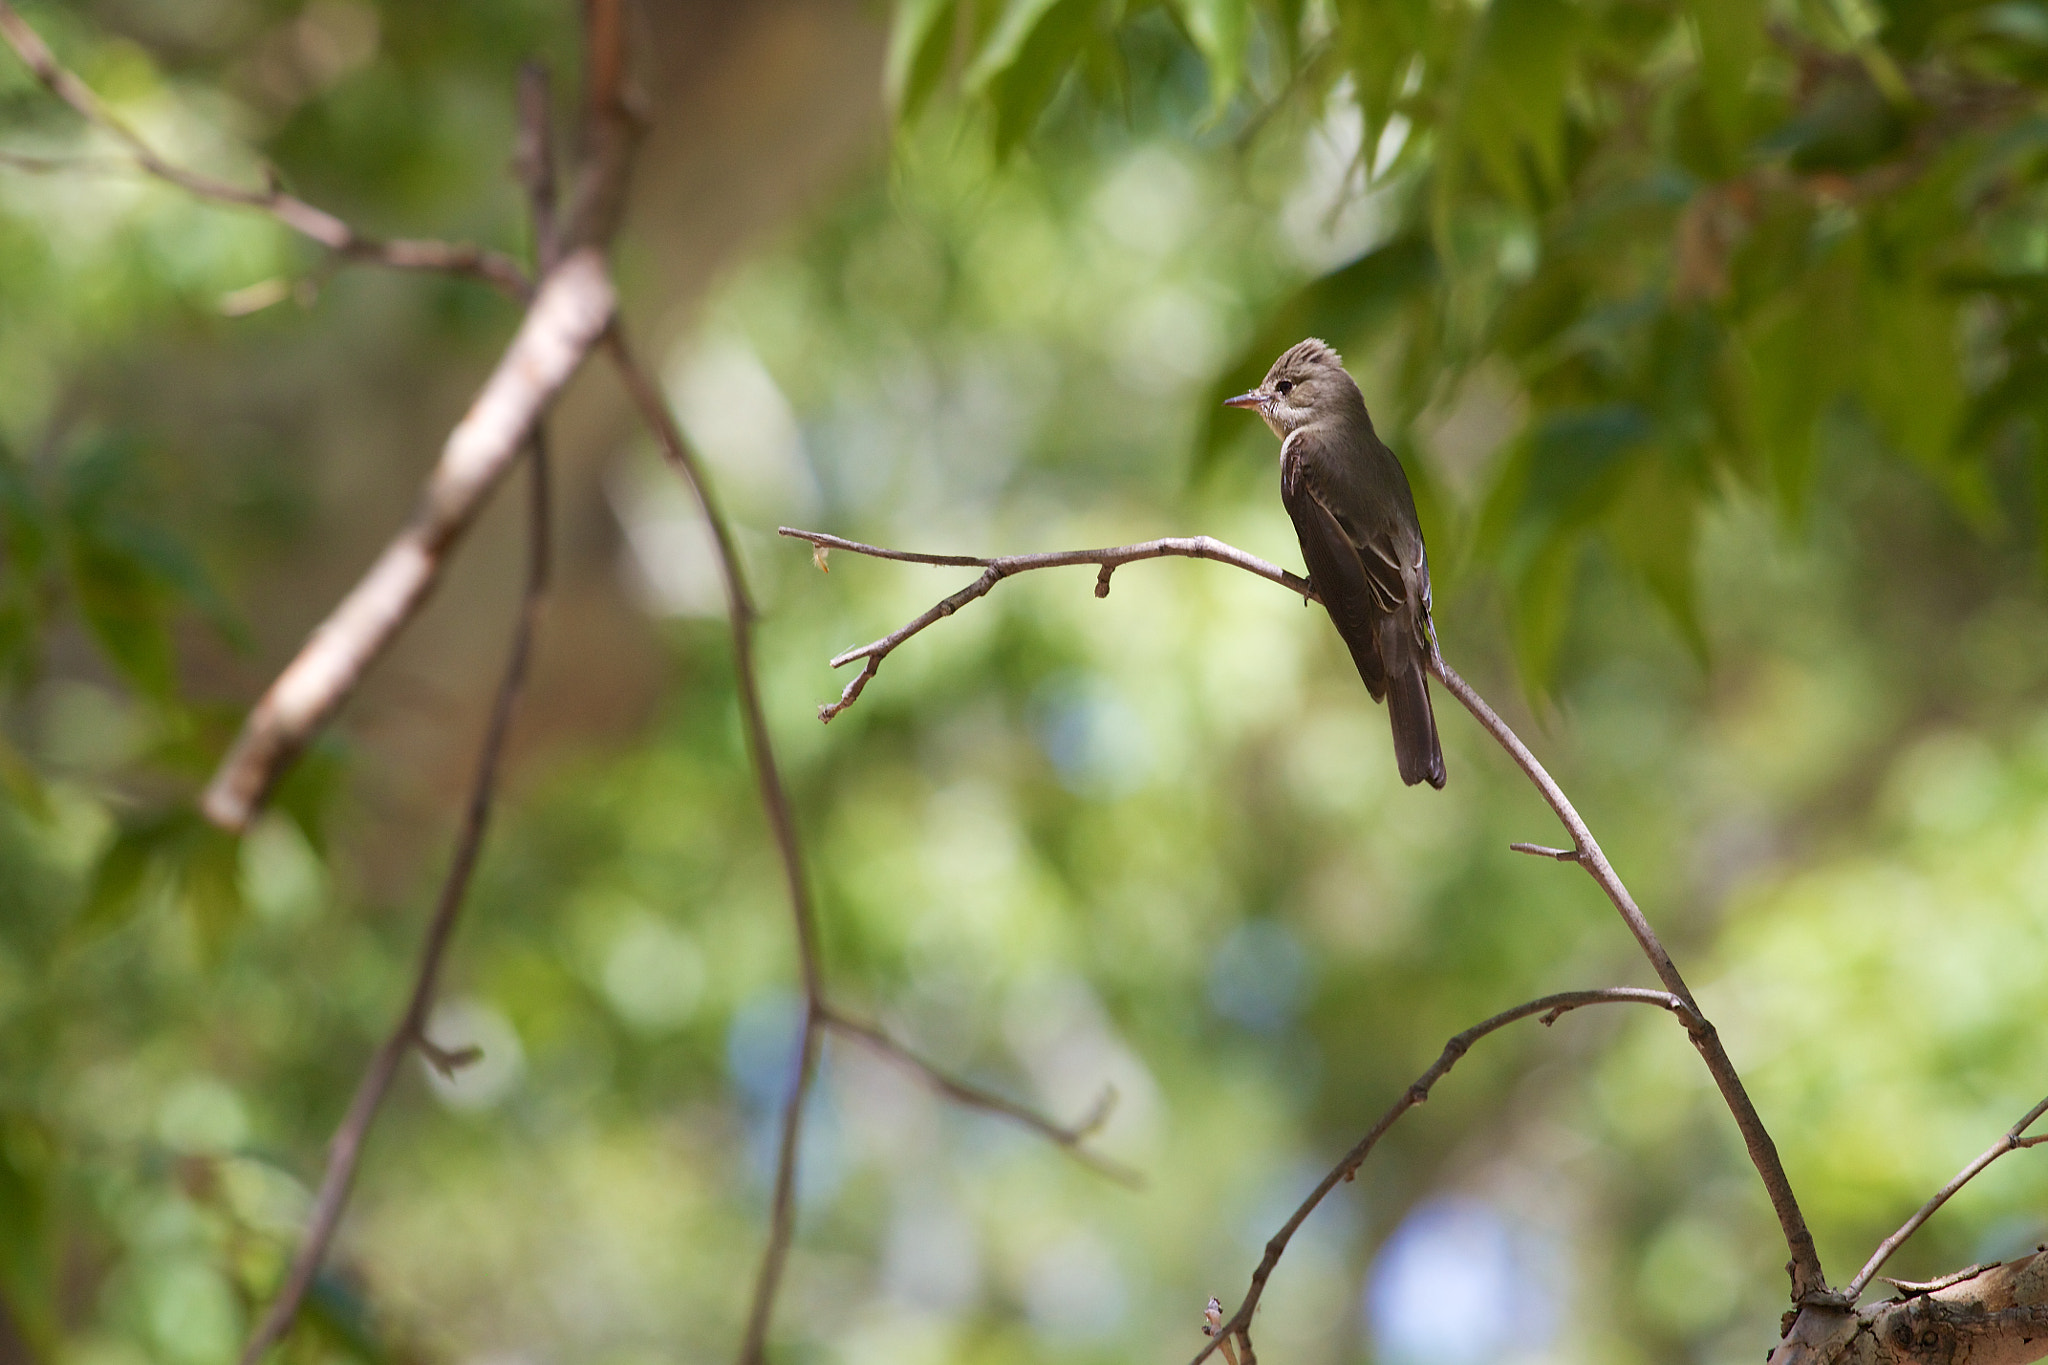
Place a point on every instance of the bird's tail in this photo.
(1416, 749)
(1415, 745)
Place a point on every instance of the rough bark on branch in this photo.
(1998, 1316)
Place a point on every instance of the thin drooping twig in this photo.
(2013, 1139)
(975, 1097)
(454, 258)
(344, 1153)
(819, 1015)
(653, 408)
(995, 571)
(570, 311)
(1550, 1007)
(654, 412)
(1808, 1281)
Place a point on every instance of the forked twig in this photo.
(1808, 1281)
(1107, 561)
(819, 1015)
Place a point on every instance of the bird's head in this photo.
(1307, 382)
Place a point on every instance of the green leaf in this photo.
(124, 607)
(1848, 125)
(210, 884)
(128, 574)
(1731, 39)
(1380, 38)
(1912, 382)
(1654, 527)
(1540, 611)
(1219, 29)
(175, 849)
(1021, 64)
(1511, 97)
(1576, 464)
(917, 54)
(1800, 359)
(122, 875)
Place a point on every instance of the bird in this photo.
(1355, 516)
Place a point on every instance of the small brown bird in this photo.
(1355, 515)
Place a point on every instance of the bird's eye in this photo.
(1285, 386)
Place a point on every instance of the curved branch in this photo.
(2011, 1141)
(647, 397)
(1809, 1284)
(1808, 1281)
(1550, 1007)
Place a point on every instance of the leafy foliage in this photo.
(1716, 242)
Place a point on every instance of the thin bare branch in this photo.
(2012, 1140)
(1070, 1138)
(574, 305)
(452, 258)
(1808, 1281)
(1550, 1007)
(782, 1208)
(534, 160)
(654, 411)
(994, 571)
(344, 1153)
(609, 130)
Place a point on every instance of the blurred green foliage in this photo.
(1700, 240)
(1709, 335)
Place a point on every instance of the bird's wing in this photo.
(1353, 585)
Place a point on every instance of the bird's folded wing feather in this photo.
(1354, 585)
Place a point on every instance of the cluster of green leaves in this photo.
(1705, 243)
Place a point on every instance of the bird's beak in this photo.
(1257, 398)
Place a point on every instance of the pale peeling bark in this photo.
(1998, 1316)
